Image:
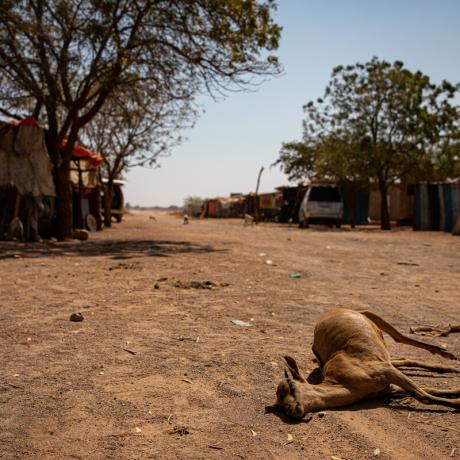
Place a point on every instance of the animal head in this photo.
(294, 395)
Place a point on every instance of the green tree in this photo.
(381, 122)
(61, 60)
(193, 205)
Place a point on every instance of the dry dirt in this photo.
(161, 372)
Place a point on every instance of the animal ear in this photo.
(294, 369)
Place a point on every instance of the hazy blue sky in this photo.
(235, 137)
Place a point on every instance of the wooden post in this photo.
(257, 209)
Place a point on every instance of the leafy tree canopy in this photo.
(380, 122)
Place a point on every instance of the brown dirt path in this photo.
(198, 384)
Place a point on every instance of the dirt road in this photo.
(158, 370)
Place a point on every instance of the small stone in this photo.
(76, 317)
(156, 286)
(376, 452)
(321, 414)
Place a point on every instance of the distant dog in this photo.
(248, 219)
(185, 219)
(153, 218)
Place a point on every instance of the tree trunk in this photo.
(108, 195)
(384, 213)
(63, 200)
(349, 200)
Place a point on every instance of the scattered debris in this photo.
(80, 234)
(125, 266)
(76, 317)
(333, 457)
(210, 285)
(240, 323)
(269, 262)
(182, 339)
(181, 430)
(438, 331)
(412, 264)
(211, 446)
(170, 417)
(290, 439)
(262, 254)
(187, 381)
(254, 434)
(131, 352)
(14, 386)
(295, 275)
(161, 280)
(376, 452)
(137, 429)
(452, 452)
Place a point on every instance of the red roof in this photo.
(28, 121)
(82, 152)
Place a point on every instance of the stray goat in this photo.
(248, 219)
(356, 365)
(16, 230)
(185, 219)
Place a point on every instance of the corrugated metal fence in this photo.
(437, 206)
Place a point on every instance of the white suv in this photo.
(321, 204)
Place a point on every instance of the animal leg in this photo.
(401, 338)
(396, 377)
(325, 395)
(423, 365)
(437, 392)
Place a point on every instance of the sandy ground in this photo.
(161, 372)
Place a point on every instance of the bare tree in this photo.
(129, 133)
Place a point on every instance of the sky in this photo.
(235, 137)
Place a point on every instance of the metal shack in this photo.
(25, 178)
(437, 206)
(85, 178)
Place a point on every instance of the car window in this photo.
(324, 194)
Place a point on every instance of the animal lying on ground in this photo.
(356, 365)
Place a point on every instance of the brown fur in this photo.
(356, 365)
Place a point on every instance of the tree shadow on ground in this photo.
(114, 249)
